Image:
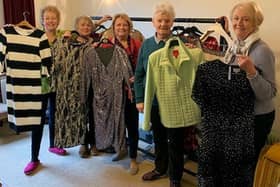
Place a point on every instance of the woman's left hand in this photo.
(245, 63)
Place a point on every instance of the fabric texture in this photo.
(226, 152)
(25, 55)
(108, 94)
(70, 113)
(170, 79)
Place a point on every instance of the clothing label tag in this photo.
(175, 53)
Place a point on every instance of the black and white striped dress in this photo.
(25, 56)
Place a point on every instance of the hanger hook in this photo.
(25, 14)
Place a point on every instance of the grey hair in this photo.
(254, 11)
(86, 18)
(165, 8)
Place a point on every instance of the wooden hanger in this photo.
(24, 23)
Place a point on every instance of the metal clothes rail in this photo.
(182, 20)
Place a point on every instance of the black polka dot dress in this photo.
(226, 101)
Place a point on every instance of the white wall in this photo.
(70, 9)
(191, 8)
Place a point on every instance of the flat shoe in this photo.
(58, 151)
(133, 170)
(152, 175)
(31, 167)
(94, 151)
(84, 151)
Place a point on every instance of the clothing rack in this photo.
(179, 20)
(182, 20)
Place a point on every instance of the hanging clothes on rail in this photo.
(109, 70)
(70, 114)
(25, 55)
(226, 101)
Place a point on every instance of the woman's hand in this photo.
(67, 34)
(245, 63)
(103, 19)
(140, 107)
(131, 80)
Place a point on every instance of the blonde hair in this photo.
(254, 11)
(85, 18)
(50, 8)
(125, 17)
(165, 8)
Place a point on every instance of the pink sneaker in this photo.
(58, 151)
(30, 167)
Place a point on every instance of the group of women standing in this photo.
(256, 62)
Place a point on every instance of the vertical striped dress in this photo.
(25, 56)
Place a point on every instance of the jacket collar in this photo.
(183, 51)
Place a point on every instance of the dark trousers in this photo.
(169, 147)
(132, 126)
(90, 132)
(51, 117)
(263, 124)
(37, 132)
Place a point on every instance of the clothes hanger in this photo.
(105, 41)
(100, 27)
(24, 23)
(218, 30)
(193, 31)
(177, 30)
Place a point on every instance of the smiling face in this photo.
(84, 26)
(121, 28)
(242, 22)
(162, 23)
(50, 21)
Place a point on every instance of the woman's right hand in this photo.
(140, 107)
(67, 34)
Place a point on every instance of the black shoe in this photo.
(175, 183)
(153, 175)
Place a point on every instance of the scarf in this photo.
(240, 47)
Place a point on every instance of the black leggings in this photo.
(37, 132)
(132, 125)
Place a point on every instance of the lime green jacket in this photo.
(170, 76)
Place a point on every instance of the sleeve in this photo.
(264, 84)
(140, 74)
(3, 46)
(45, 54)
(197, 90)
(149, 95)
